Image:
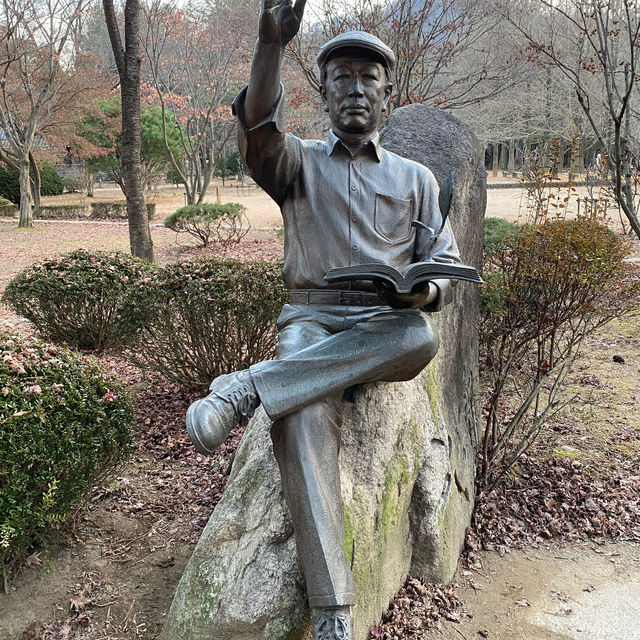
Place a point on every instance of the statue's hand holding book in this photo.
(404, 280)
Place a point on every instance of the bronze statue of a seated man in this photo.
(344, 200)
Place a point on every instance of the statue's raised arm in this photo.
(279, 22)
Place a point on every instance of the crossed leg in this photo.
(322, 351)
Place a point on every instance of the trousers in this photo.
(322, 350)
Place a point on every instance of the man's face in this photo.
(356, 93)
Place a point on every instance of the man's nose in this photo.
(355, 89)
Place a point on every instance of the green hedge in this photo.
(96, 211)
(9, 185)
(79, 298)
(116, 210)
(51, 183)
(63, 426)
(60, 212)
(497, 232)
(206, 317)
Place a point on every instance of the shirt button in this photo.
(354, 218)
(353, 187)
(355, 246)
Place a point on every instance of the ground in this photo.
(579, 591)
(112, 573)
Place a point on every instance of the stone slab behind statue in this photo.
(444, 144)
(407, 459)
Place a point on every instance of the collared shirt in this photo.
(339, 209)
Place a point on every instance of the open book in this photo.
(403, 281)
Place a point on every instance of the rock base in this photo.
(407, 458)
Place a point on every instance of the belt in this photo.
(335, 296)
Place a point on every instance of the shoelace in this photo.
(332, 626)
(243, 399)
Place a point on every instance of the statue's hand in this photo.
(421, 295)
(280, 20)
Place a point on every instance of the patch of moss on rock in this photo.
(433, 391)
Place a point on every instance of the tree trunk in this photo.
(139, 232)
(26, 200)
(495, 159)
(35, 180)
(128, 61)
(90, 176)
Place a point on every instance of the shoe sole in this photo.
(193, 432)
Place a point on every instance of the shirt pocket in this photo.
(392, 217)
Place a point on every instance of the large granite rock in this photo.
(444, 144)
(407, 459)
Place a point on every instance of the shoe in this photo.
(333, 623)
(233, 400)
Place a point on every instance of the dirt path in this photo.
(115, 580)
(559, 592)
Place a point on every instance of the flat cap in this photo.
(357, 40)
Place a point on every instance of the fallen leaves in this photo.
(33, 560)
(79, 604)
(557, 497)
(417, 608)
(166, 479)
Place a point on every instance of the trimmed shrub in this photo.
(225, 223)
(496, 232)
(206, 317)
(75, 184)
(546, 289)
(61, 212)
(109, 210)
(10, 185)
(78, 298)
(116, 210)
(172, 176)
(51, 184)
(7, 208)
(64, 425)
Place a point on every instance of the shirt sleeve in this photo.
(272, 156)
(443, 249)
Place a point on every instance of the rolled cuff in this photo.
(275, 117)
(444, 297)
(346, 599)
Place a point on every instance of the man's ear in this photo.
(387, 96)
(323, 97)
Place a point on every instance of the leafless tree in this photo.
(541, 107)
(35, 59)
(594, 45)
(443, 54)
(128, 59)
(193, 67)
